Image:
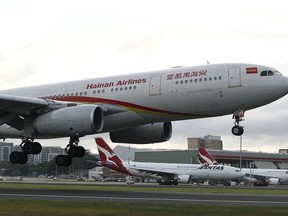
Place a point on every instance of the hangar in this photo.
(214, 145)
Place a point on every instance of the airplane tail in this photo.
(108, 156)
(206, 157)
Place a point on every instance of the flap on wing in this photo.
(12, 107)
(157, 173)
(19, 104)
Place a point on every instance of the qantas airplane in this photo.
(165, 173)
(136, 108)
(258, 176)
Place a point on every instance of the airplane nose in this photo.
(285, 84)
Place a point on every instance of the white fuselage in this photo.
(194, 171)
(281, 174)
(168, 95)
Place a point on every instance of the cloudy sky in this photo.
(59, 40)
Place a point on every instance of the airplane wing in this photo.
(20, 104)
(156, 173)
(12, 108)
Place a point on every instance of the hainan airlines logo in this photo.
(118, 83)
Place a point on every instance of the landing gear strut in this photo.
(28, 147)
(73, 150)
(238, 130)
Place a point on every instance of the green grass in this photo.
(173, 189)
(106, 208)
(62, 208)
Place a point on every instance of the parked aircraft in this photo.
(165, 173)
(136, 108)
(258, 176)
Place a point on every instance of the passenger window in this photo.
(263, 73)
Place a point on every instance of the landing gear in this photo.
(238, 130)
(73, 150)
(28, 147)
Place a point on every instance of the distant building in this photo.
(283, 151)
(5, 150)
(209, 142)
(49, 153)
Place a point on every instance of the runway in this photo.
(145, 197)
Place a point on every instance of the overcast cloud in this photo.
(44, 41)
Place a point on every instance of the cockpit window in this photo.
(269, 73)
(263, 73)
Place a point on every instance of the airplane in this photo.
(165, 173)
(257, 176)
(135, 108)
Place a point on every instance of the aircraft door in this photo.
(234, 77)
(155, 85)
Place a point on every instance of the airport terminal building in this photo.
(214, 145)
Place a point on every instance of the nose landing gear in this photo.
(238, 130)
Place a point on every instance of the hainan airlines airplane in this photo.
(135, 108)
(166, 173)
(259, 176)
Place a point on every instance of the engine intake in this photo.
(70, 121)
(153, 133)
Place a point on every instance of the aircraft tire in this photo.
(63, 160)
(37, 148)
(18, 157)
(28, 147)
(80, 151)
(237, 130)
(73, 151)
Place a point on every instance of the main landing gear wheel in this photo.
(72, 150)
(237, 130)
(63, 160)
(18, 157)
(28, 147)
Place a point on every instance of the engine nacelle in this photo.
(70, 121)
(153, 133)
(184, 178)
(274, 181)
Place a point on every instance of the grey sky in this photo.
(48, 41)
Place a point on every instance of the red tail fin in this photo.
(206, 157)
(108, 156)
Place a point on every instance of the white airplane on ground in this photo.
(136, 108)
(258, 176)
(165, 173)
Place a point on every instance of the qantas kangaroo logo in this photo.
(108, 157)
(206, 157)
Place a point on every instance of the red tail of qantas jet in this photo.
(206, 157)
(135, 108)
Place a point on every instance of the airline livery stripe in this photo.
(126, 105)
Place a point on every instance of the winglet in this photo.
(108, 156)
(206, 157)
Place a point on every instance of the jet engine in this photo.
(70, 121)
(184, 179)
(273, 181)
(153, 133)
